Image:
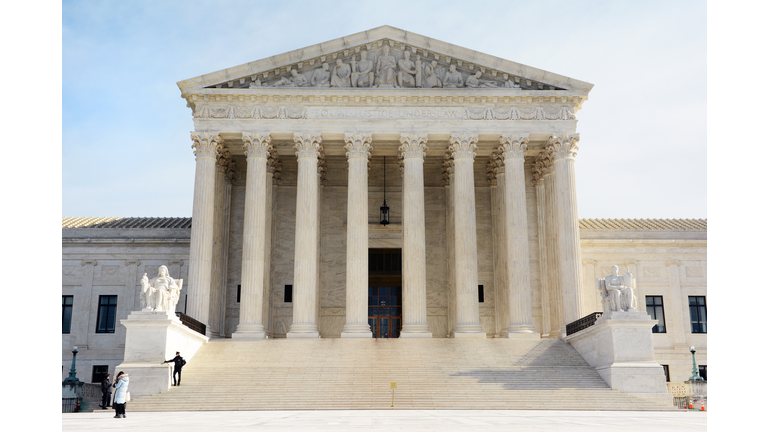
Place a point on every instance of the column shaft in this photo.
(518, 272)
(305, 262)
(543, 265)
(450, 244)
(251, 326)
(465, 228)
(557, 327)
(414, 252)
(358, 151)
(206, 146)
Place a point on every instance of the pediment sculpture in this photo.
(161, 293)
(618, 292)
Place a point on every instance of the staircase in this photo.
(292, 374)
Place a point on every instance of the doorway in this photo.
(385, 292)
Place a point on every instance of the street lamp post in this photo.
(695, 376)
(72, 378)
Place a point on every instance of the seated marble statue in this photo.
(474, 81)
(321, 77)
(407, 75)
(362, 71)
(255, 84)
(431, 79)
(385, 69)
(340, 77)
(160, 294)
(453, 78)
(296, 80)
(618, 291)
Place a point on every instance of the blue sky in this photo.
(125, 129)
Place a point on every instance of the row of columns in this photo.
(461, 225)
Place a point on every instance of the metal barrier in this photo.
(192, 323)
(70, 405)
(680, 402)
(582, 323)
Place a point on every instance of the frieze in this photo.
(276, 112)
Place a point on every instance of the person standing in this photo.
(106, 393)
(178, 363)
(121, 390)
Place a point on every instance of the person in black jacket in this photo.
(178, 363)
(106, 392)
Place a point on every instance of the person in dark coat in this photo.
(106, 393)
(178, 363)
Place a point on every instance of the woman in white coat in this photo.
(121, 388)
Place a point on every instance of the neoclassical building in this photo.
(382, 185)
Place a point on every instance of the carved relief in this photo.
(67, 270)
(412, 146)
(358, 145)
(652, 271)
(109, 271)
(563, 146)
(362, 72)
(307, 144)
(463, 146)
(341, 75)
(447, 168)
(206, 144)
(513, 146)
(321, 77)
(521, 113)
(385, 69)
(694, 271)
(538, 167)
(257, 145)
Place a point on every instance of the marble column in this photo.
(221, 197)
(564, 148)
(251, 325)
(556, 325)
(412, 148)
(358, 147)
(207, 146)
(273, 172)
(229, 178)
(305, 263)
(513, 149)
(537, 169)
(497, 176)
(463, 148)
(447, 172)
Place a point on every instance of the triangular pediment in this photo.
(431, 59)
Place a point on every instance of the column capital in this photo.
(92, 262)
(539, 167)
(176, 261)
(494, 166)
(231, 174)
(274, 166)
(257, 145)
(206, 144)
(133, 262)
(307, 145)
(358, 146)
(589, 262)
(463, 146)
(672, 263)
(513, 146)
(412, 146)
(223, 160)
(563, 146)
(447, 169)
(322, 168)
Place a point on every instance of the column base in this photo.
(249, 332)
(468, 331)
(415, 331)
(303, 331)
(523, 335)
(360, 331)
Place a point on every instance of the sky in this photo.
(125, 129)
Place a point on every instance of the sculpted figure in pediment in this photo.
(321, 77)
(296, 80)
(419, 71)
(453, 78)
(255, 84)
(431, 79)
(385, 69)
(406, 76)
(362, 72)
(474, 81)
(511, 84)
(340, 77)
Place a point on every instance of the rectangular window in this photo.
(666, 371)
(655, 307)
(105, 321)
(703, 371)
(480, 294)
(288, 295)
(99, 372)
(238, 293)
(698, 308)
(66, 314)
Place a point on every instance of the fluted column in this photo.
(465, 226)
(513, 149)
(447, 173)
(220, 207)
(305, 263)
(358, 147)
(273, 172)
(206, 145)
(412, 147)
(251, 326)
(537, 170)
(229, 178)
(497, 176)
(564, 148)
(556, 321)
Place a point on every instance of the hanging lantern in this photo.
(384, 210)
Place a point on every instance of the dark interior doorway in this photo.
(385, 292)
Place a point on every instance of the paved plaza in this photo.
(380, 420)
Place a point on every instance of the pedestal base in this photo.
(249, 332)
(357, 334)
(522, 335)
(303, 331)
(415, 334)
(468, 331)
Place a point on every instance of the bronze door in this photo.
(385, 311)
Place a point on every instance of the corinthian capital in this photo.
(412, 146)
(358, 146)
(538, 167)
(563, 146)
(513, 146)
(256, 145)
(223, 160)
(307, 145)
(273, 163)
(206, 144)
(463, 146)
(447, 167)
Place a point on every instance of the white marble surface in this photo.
(400, 420)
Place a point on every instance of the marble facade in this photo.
(480, 158)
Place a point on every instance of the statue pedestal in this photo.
(620, 348)
(150, 339)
